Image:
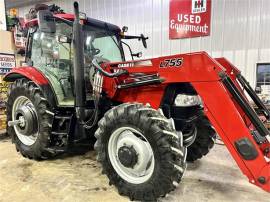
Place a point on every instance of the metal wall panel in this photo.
(239, 28)
(3, 22)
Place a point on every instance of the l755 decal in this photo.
(173, 62)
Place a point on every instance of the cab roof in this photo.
(88, 21)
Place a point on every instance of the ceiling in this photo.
(21, 3)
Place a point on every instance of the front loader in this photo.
(148, 116)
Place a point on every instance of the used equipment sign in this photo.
(7, 62)
(189, 18)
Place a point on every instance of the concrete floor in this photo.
(216, 178)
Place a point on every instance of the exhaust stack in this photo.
(79, 83)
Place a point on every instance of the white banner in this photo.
(3, 22)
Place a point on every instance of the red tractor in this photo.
(148, 116)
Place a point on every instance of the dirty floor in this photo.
(215, 178)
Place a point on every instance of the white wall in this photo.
(240, 29)
(3, 23)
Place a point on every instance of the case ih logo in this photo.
(198, 6)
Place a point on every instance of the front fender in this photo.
(37, 77)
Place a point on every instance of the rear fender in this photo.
(37, 77)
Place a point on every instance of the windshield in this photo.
(101, 43)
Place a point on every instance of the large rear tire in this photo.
(204, 142)
(32, 136)
(140, 152)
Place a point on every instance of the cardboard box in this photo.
(7, 42)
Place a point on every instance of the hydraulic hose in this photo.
(108, 74)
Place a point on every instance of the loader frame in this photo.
(221, 87)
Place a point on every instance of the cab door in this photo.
(54, 59)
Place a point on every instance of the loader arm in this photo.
(237, 78)
(225, 117)
(225, 104)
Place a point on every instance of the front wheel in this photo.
(140, 152)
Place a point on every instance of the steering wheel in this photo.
(89, 54)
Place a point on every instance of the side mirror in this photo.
(144, 40)
(46, 21)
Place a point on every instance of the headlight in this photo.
(183, 100)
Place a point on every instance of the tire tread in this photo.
(152, 121)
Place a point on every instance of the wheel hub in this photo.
(27, 120)
(131, 155)
(128, 156)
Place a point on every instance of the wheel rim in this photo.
(143, 168)
(31, 138)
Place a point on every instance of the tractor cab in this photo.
(50, 50)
